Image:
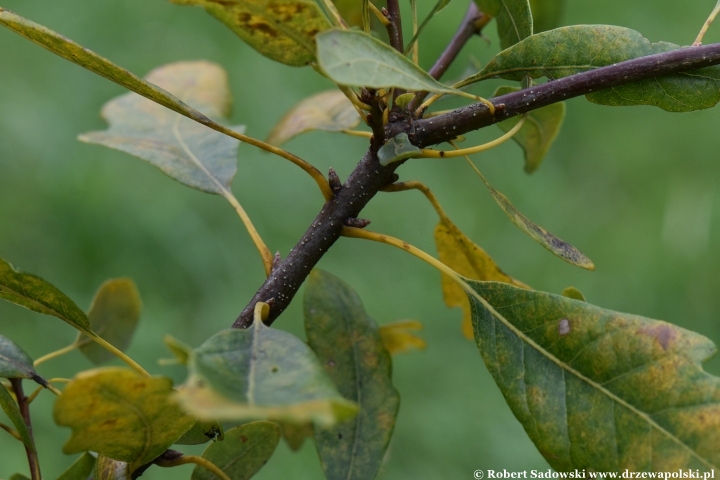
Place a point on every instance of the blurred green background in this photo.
(633, 188)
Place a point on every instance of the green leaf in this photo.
(539, 131)
(514, 19)
(119, 414)
(81, 469)
(580, 48)
(109, 469)
(202, 432)
(549, 241)
(351, 11)
(181, 351)
(396, 149)
(597, 389)
(546, 14)
(330, 111)
(356, 59)
(113, 315)
(260, 373)
(282, 30)
(12, 411)
(79, 55)
(243, 452)
(574, 293)
(461, 254)
(18, 476)
(14, 362)
(38, 295)
(441, 4)
(348, 343)
(184, 150)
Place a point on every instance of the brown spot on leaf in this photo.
(244, 438)
(663, 333)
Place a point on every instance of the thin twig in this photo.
(395, 33)
(415, 185)
(704, 29)
(428, 153)
(185, 459)
(25, 411)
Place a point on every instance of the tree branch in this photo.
(445, 127)
(394, 29)
(25, 411)
(369, 176)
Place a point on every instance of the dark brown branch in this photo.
(369, 176)
(472, 24)
(394, 28)
(25, 411)
(445, 127)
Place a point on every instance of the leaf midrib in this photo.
(579, 375)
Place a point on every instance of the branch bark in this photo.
(24, 406)
(369, 176)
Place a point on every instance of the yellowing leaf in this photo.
(469, 260)
(113, 315)
(283, 30)
(120, 415)
(355, 58)
(574, 293)
(38, 295)
(539, 131)
(81, 469)
(330, 111)
(597, 389)
(260, 373)
(296, 433)
(109, 469)
(348, 344)
(183, 149)
(398, 337)
(243, 452)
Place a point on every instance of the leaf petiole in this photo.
(115, 351)
(56, 353)
(427, 153)
(11, 431)
(357, 133)
(335, 14)
(424, 189)
(185, 459)
(383, 19)
(706, 26)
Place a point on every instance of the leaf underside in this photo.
(184, 150)
(597, 389)
(14, 362)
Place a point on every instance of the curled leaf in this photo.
(282, 30)
(14, 362)
(330, 111)
(396, 149)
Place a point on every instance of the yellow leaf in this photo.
(469, 260)
(397, 337)
(121, 415)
